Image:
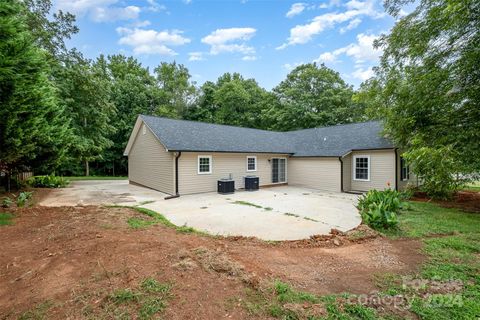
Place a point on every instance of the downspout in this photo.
(176, 178)
(341, 173)
(396, 169)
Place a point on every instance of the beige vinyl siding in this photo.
(382, 170)
(347, 173)
(189, 181)
(316, 173)
(403, 184)
(149, 164)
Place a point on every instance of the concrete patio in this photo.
(277, 213)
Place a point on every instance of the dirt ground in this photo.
(74, 257)
(468, 201)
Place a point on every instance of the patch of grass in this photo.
(425, 218)
(246, 203)
(283, 302)
(291, 214)
(157, 218)
(452, 243)
(39, 312)
(148, 301)
(6, 219)
(474, 186)
(310, 219)
(268, 209)
(79, 178)
(142, 203)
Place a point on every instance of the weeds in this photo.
(23, 197)
(6, 202)
(39, 312)
(246, 203)
(6, 219)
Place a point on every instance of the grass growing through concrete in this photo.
(6, 219)
(291, 214)
(246, 203)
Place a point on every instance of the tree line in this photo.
(63, 113)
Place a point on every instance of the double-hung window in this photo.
(404, 169)
(204, 164)
(361, 168)
(251, 163)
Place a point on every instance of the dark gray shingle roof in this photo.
(181, 135)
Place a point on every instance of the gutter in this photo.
(341, 173)
(396, 169)
(176, 178)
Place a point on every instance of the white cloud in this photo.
(363, 74)
(302, 34)
(151, 41)
(351, 25)
(249, 58)
(99, 10)
(187, 1)
(155, 6)
(101, 14)
(295, 9)
(326, 57)
(290, 66)
(195, 56)
(230, 40)
(140, 24)
(362, 51)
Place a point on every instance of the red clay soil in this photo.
(76, 256)
(468, 201)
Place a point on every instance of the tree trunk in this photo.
(113, 168)
(87, 168)
(9, 175)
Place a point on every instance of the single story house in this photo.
(181, 157)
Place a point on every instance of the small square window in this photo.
(361, 168)
(204, 164)
(251, 163)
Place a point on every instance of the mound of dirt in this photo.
(76, 257)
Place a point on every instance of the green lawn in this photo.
(474, 186)
(95, 178)
(449, 279)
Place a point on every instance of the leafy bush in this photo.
(49, 181)
(379, 208)
(23, 197)
(439, 172)
(6, 202)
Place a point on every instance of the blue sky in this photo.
(261, 39)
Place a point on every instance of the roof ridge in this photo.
(212, 124)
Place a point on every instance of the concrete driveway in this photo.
(278, 213)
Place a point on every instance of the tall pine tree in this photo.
(33, 129)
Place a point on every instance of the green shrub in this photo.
(379, 208)
(6, 202)
(23, 197)
(49, 181)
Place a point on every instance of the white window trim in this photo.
(405, 177)
(354, 164)
(210, 162)
(286, 170)
(252, 157)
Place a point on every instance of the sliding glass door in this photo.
(279, 170)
